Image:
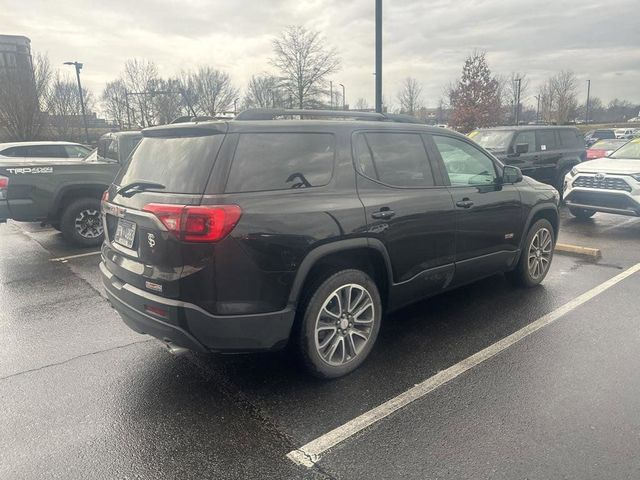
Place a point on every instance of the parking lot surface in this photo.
(85, 397)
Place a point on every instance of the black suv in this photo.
(246, 235)
(546, 153)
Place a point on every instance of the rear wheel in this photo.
(339, 324)
(535, 259)
(582, 213)
(81, 223)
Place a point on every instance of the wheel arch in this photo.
(69, 193)
(544, 211)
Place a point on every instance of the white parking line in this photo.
(71, 257)
(310, 453)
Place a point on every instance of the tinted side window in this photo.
(15, 152)
(281, 161)
(51, 151)
(568, 138)
(399, 159)
(364, 160)
(546, 139)
(464, 163)
(75, 151)
(528, 138)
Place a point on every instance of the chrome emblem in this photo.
(151, 239)
(599, 176)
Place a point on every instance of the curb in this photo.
(593, 253)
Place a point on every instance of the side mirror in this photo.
(522, 148)
(511, 174)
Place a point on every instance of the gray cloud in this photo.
(428, 40)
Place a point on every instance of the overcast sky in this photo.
(425, 39)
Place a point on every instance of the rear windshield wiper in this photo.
(131, 189)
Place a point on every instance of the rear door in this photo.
(407, 208)
(142, 244)
(548, 155)
(488, 214)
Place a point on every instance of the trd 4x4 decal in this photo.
(17, 171)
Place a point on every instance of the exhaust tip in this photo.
(175, 349)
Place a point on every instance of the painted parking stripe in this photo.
(71, 257)
(310, 453)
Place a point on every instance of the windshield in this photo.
(492, 139)
(629, 151)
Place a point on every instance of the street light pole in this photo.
(330, 94)
(344, 103)
(78, 67)
(379, 56)
(517, 115)
(537, 97)
(586, 120)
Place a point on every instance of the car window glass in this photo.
(527, 138)
(47, 151)
(568, 138)
(464, 163)
(75, 151)
(400, 159)
(281, 161)
(546, 139)
(15, 152)
(364, 161)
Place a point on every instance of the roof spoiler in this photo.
(273, 113)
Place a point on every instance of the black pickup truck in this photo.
(65, 192)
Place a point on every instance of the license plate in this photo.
(125, 233)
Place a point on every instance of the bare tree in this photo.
(140, 78)
(209, 91)
(114, 102)
(168, 101)
(64, 108)
(409, 96)
(362, 104)
(264, 91)
(304, 63)
(23, 93)
(563, 87)
(509, 91)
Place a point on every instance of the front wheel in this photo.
(339, 323)
(81, 223)
(535, 259)
(582, 213)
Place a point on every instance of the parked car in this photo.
(545, 153)
(603, 148)
(26, 151)
(254, 234)
(63, 192)
(601, 134)
(610, 185)
(623, 132)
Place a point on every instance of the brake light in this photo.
(105, 196)
(209, 223)
(4, 185)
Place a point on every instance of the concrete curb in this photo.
(593, 253)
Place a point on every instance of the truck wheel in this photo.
(537, 254)
(81, 223)
(340, 320)
(582, 213)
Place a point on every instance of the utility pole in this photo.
(379, 56)
(330, 94)
(344, 102)
(537, 97)
(126, 103)
(586, 120)
(78, 67)
(517, 115)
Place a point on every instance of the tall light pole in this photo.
(78, 67)
(344, 103)
(586, 120)
(517, 115)
(379, 56)
(330, 94)
(537, 97)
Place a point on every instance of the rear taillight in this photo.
(4, 185)
(209, 223)
(105, 196)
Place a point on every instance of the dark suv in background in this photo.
(546, 153)
(246, 235)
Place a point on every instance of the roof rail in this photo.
(189, 118)
(401, 118)
(272, 113)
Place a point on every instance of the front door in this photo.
(488, 213)
(406, 210)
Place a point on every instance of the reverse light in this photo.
(206, 223)
(4, 185)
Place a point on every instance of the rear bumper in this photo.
(189, 326)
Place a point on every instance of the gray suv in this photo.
(545, 153)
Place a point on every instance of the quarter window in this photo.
(396, 159)
(465, 164)
(281, 161)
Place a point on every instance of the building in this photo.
(15, 54)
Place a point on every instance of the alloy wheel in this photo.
(539, 255)
(88, 223)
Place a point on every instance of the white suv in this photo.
(610, 184)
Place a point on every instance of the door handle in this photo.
(464, 203)
(385, 213)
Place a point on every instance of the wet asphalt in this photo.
(82, 396)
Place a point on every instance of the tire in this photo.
(538, 250)
(78, 222)
(582, 213)
(350, 337)
(56, 226)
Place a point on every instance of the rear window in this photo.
(281, 161)
(181, 164)
(604, 134)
